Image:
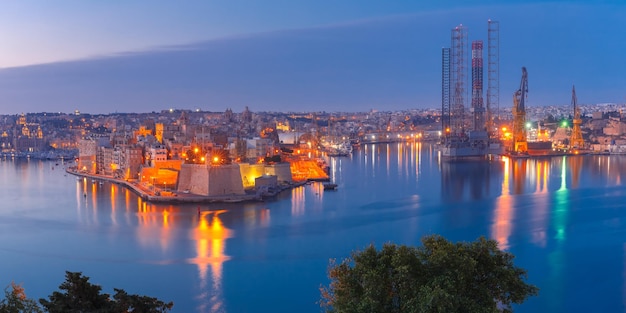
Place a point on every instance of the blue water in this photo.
(564, 218)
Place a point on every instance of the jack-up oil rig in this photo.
(464, 138)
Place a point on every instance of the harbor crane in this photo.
(520, 144)
(576, 141)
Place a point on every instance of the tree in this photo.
(15, 301)
(439, 276)
(134, 303)
(79, 295)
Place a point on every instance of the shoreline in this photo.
(149, 195)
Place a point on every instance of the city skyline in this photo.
(288, 57)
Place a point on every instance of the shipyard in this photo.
(483, 131)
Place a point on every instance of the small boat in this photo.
(232, 200)
(330, 186)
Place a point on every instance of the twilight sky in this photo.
(284, 55)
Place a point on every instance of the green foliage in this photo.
(134, 303)
(272, 159)
(79, 295)
(15, 301)
(193, 157)
(439, 276)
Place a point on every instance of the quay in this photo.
(159, 196)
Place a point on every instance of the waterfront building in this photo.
(131, 162)
(156, 153)
(250, 149)
(6, 143)
(25, 136)
(87, 155)
(614, 127)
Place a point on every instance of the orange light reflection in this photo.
(154, 225)
(113, 206)
(501, 227)
(210, 236)
(297, 201)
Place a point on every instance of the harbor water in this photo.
(564, 218)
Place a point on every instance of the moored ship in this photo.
(536, 148)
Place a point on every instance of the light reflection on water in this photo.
(549, 212)
(210, 236)
(501, 228)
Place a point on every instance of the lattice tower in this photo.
(478, 109)
(457, 79)
(445, 92)
(493, 73)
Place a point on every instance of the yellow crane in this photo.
(576, 141)
(520, 145)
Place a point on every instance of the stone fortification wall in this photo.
(199, 181)
(194, 178)
(249, 172)
(266, 181)
(225, 180)
(281, 170)
(184, 178)
(209, 180)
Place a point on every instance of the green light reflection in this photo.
(561, 203)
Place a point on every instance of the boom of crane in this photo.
(576, 140)
(520, 145)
